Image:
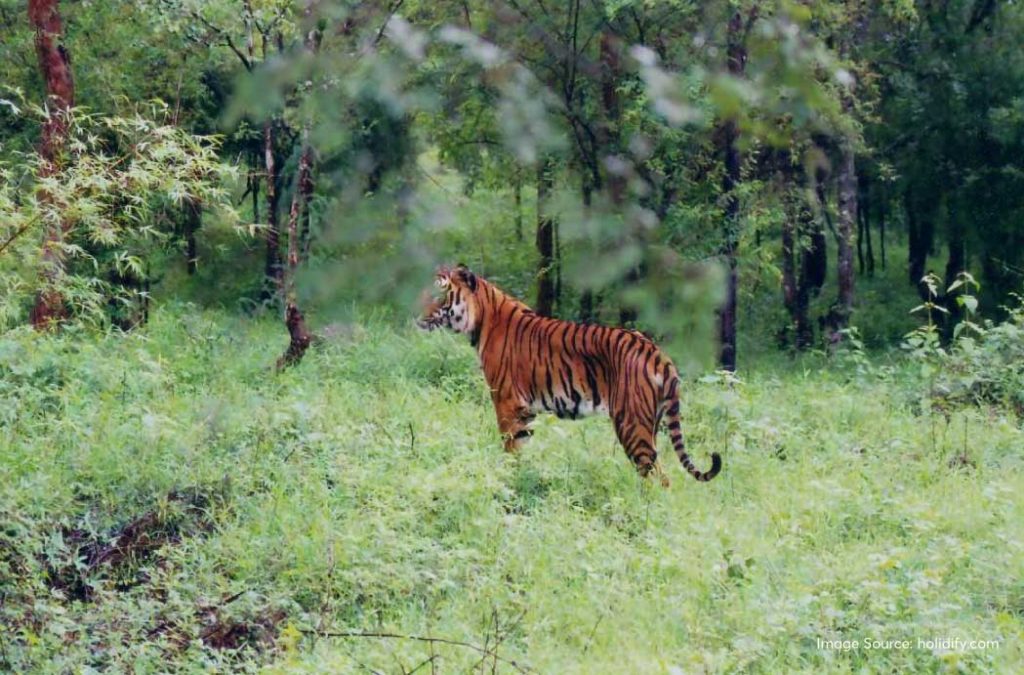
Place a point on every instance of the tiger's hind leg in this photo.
(637, 439)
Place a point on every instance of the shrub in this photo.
(983, 364)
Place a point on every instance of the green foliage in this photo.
(984, 363)
(108, 194)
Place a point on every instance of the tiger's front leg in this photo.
(513, 422)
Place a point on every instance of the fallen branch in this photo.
(24, 228)
(421, 638)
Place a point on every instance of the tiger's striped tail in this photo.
(675, 432)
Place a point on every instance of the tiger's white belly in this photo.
(567, 408)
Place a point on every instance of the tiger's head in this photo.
(454, 304)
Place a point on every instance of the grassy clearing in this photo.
(366, 491)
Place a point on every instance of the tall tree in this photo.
(798, 242)
(55, 67)
(846, 217)
(300, 337)
(736, 56)
(545, 240)
(846, 179)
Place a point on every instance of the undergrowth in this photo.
(168, 503)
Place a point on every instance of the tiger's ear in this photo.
(466, 277)
(442, 276)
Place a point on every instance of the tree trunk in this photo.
(737, 57)
(611, 71)
(882, 201)
(870, 252)
(860, 245)
(797, 224)
(915, 261)
(919, 230)
(272, 269)
(300, 202)
(789, 280)
(846, 177)
(587, 296)
(615, 180)
(863, 212)
(955, 263)
(254, 177)
(545, 241)
(306, 234)
(814, 256)
(300, 338)
(517, 193)
(814, 259)
(557, 264)
(55, 67)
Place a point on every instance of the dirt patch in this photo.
(250, 629)
(258, 632)
(118, 554)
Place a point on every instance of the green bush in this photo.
(983, 362)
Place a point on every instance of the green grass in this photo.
(366, 490)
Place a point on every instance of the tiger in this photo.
(535, 364)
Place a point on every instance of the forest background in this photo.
(217, 219)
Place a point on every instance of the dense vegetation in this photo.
(222, 445)
(366, 491)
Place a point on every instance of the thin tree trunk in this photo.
(545, 241)
(737, 57)
(789, 280)
(55, 67)
(587, 296)
(919, 228)
(955, 263)
(306, 234)
(882, 200)
(801, 321)
(255, 192)
(610, 136)
(300, 200)
(300, 338)
(272, 269)
(846, 177)
(611, 68)
(814, 259)
(517, 193)
(870, 252)
(864, 213)
(860, 245)
(846, 194)
(558, 265)
(915, 262)
(797, 224)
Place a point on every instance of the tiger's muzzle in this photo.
(438, 319)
